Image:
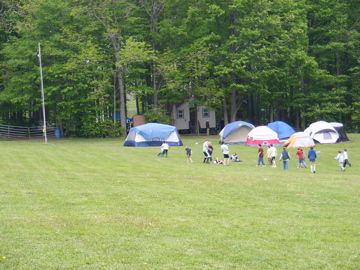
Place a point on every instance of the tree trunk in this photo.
(120, 78)
(225, 112)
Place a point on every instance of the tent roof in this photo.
(154, 130)
(231, 127)
(263, 132)
(262, 135)
(152, 134)
(299, 139)
(322, 132)
(283, 129)
(320, 126)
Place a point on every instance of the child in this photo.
(285, 157)
(300, 154)
(346, 160)
(211, 149)
(340, 159)
(188, 154)
(217, 161)
(164, 149)
(235, 158)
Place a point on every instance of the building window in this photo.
(205, 113)
(180, 114)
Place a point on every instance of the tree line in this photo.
(260, 61)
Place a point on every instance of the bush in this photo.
(101, 129)
(158, 115)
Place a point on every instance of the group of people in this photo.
(285, 157)
(208, 151)
(343, 159)
(342, 156)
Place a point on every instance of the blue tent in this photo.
(235, 132)
(153, 134)
(283, 130)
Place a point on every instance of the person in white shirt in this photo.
(206, 151)
(225, 151)
(273, 155)
(164, 149)
(340, 159)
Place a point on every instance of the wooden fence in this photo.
(28, 133)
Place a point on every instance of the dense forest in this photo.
(296, 61)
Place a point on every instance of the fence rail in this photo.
(28, 133)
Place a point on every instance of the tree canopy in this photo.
(260, 61)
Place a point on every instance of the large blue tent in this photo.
(153, 134)
(283, 129)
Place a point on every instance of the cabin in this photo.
(185, 117)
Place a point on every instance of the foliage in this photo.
(98, 128)
(158, 115)
(295, 61)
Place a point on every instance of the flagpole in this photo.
(42, 96)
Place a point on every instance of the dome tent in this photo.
(322, 132)
(299, 139)
(153, 134)
(283, 129)
(235, 132)
(262, 135)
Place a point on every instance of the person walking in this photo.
(340, 159)
(285, 157)
(268, 155)
(300, 154)
(225, 150)
(312, 158)
(260, 156)
(303, 161)
(273, 155)
(346, 158)
(188, 154)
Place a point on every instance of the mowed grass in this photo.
(94, 204)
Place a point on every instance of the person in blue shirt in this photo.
(312, 159)
(188, 154)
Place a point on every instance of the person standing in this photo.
(285, 157)
(312, 158)
(260, 156)
(206, 151)
(165, 148)
(340, 159)
(268, 155)
(188, 154)
(207, 128)
(273, 155)
(346, 158)
(225, 151)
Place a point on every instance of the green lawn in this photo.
(94, 204)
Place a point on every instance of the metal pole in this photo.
(42, 96)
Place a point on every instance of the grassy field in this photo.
(94, 204)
